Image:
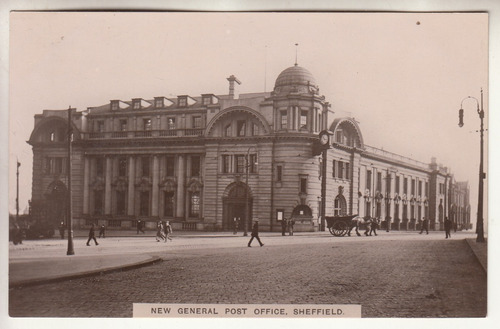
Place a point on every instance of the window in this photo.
(279, 173)
(206, 100)
(99, 165)
(341, 170)
(195, 166)
(397, 184)
(170, 162)
(396, 211)
(52, 136)
(378, 210)
(123, 124)
(412, 212)
(195, 205)
(426, 189)
(145, 161)
(168, 204)
(100, 126)
(144, 203)
(420, 188)
(303, 119)
(240, 163)
(114, 105)
(122, 166)
(339, 136)
(369, 179)
(171, 123)
(226, 163)
(255, 129)
(58, 166)
(284, 119)
(159, 102)
(227, 131)
(303, 185)
(405, 211)
(120, 202)
(114, 223)
(241, 128)
(368, 209)
(405, 185)
(148, 124)
(413, 187)
(347, 170)
(318, 122)
(196, 122)
(333, 168)
(98, 202)
(182, 100)
(252, 163)
(136, 103)
(379, 181)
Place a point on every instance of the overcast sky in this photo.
(402, 76)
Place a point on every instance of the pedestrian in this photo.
(235, 225)
(61, 230)
(425, 225)
(291, 222)
(283, 226)
(102, 231)
(160, 234)
(255, 234)
(92, 235)
(139, 226)
(374, 226)
(447, 227)
(168, 231)
(18, 235)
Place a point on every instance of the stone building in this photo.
(202, 161)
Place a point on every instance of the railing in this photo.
(394, 156)
(188, 226)
(145, 133)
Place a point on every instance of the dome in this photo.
(295, 79)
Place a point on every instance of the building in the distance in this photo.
(202, 161)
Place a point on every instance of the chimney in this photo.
(231, 80)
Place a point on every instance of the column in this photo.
(180, 187)
(107, 191)
(156, 178)
(86, 183)
(362, 188)
(131, 186)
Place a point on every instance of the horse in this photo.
(357, 221)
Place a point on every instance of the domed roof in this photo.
(294, 77)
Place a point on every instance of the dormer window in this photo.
(206, 99)
(159, 102)
(182, 101)
(114, 105)
(136, 104)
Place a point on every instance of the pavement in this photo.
(44, 261)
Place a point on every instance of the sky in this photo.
(402, 76)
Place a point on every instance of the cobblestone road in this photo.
(389, 278)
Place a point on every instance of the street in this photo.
(391, 275)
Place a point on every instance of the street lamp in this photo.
(247, 206)
(70, 250)
(482, 175)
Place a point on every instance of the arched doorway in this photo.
(340, 206)
(56, 203)
(235, 206)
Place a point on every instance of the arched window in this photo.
(195, 205)
(340, 206)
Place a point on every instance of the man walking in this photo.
(168, 231)
(255, 233)
(139, 226)
(102, 231)
(92, 235)
(425, 225)
(283, 226)
(447, 227)
(291, 222)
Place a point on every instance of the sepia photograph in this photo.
(272, 165)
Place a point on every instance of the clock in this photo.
(324, 139)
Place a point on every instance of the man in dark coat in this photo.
(447, 227)
(92, 235)
(425, 226)
(255, 234)
(283, 226)
(139, 226)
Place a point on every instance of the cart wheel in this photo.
(339, 229)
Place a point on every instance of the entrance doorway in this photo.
(235, 206)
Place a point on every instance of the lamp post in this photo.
(482, 175)
(247, 199)
(70, 251)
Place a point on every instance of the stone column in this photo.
(107, 191)
(156, 180)
(180, 186)
(86, 183)
(131, 186)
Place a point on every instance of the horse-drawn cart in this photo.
(339, 225)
